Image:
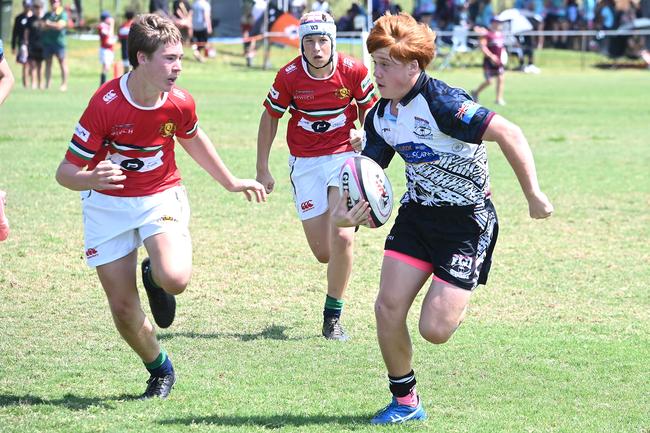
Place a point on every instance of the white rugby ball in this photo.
(364, 179)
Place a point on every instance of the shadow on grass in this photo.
(69, 401)
(273, 332)
(274, 421)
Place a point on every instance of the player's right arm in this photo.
(104, 176)
(265, 135)
(6, 77)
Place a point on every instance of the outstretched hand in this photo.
(358, 215)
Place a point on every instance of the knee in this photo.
(173, 282)
(343, 240)
(437, 332)
(124, 312)
(322, 256)
(388, 311)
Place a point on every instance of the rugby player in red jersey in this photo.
(121, 158)
(325, 92)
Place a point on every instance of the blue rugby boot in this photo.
(397, 414)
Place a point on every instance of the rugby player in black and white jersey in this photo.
(447, 227)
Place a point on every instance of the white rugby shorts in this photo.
(115, 226)
(310, 179)
(106, 56)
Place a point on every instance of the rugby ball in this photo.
(364, 179)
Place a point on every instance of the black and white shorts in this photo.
(457, 241)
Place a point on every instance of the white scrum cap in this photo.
(318, 23)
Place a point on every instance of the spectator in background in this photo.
(201, 28)
(589, 13)
(123, 35)
(347, 23)
(494, 51)
(53, 37)
(182, 17)
(298, 7)
(35, 46)
(18, 43)
(106, 31)
(556, 20)
(159, 6)
(320, 6)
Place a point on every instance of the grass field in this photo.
(558, 341)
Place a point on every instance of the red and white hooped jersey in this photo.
(139, 139)
(322, 109)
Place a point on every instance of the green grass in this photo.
(556, 342)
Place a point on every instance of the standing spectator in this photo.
(320, 6)
(182, 17)
(18, 42)
(132, 192)
(159, 7)
(106, 30)
(35, 46)
(325, 92)
(53, 36)
(298, 7)
(494, 56)
(201, 28)
(123, 35)
(589, 13)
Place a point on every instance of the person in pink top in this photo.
(494, 60)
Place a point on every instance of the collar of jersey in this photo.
(125, 91)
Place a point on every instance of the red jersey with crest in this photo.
(139, 139)
(322, 109)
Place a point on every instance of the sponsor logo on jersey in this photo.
(461, 266)
(417, 153)
(466, 111)
(91, 252)
(422, 128)
(289, 69)
(348, 62)
(179, 93)
(303, 95)
(109, 96)
(167, 129)
(122, 129)
(306, 205)
(81, 132)
(274, 93)
(342, 93)
(320, 126)
(366, 83)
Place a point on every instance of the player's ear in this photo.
(142, 56)
(413, 68)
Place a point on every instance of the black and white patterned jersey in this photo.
(438, 132)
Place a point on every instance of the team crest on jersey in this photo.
(179, 93)
(167, 129)
(422, 128)
(289, 69)
(343, 93)
(109, 96)
(461, 266)
(466, 111)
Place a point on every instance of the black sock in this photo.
(401, 386)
